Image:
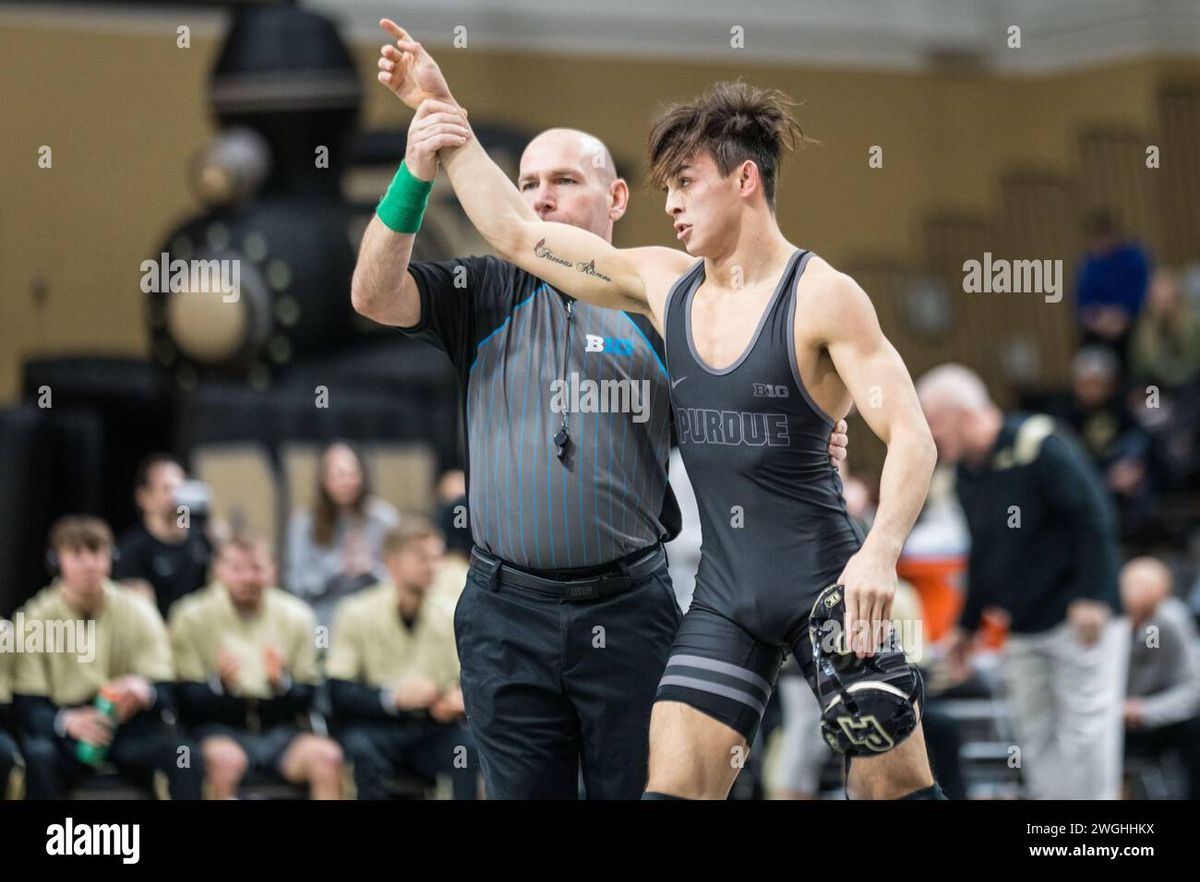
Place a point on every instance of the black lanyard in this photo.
(562, 438)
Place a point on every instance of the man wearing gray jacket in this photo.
(1162, 704)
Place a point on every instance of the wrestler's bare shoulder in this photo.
(825, 289)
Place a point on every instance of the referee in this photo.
(568, 615)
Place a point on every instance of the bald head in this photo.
(960, 413)
(580, 147)
(1145, 583)
(952, 385)
(568, 176)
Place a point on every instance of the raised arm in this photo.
(382, 289)
(573, 260)
(877, 380)
(576, 261)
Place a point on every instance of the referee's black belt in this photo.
(606, 581)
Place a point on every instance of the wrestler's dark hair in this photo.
(731, 122)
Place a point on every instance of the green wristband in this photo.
(403, 205)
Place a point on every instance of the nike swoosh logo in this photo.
(675, 383)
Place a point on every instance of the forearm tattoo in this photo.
(587, 268)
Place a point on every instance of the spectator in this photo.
(246, 656)
(1111, 285)
(119, 649)
(1165, 349)
(1119, 446)
(10, 757)
(1162, 704)
(802, 753)
(1097, 413)
(334, 549)
(393, 674)
(163, 555)
(1044, 552)
(452, 513)
(454, 524)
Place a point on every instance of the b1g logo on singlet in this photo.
(732, 428)
(766, 390)
(611, 345)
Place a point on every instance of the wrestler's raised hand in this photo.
(408, 70)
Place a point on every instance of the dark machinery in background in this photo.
(286, 97)
(287, 188)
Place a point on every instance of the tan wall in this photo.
(124, 112)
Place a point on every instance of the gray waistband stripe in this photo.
(711, 664)
(714, 688)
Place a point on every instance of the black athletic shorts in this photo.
(722, 670)
(264, 750)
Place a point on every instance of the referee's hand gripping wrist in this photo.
(436, 125)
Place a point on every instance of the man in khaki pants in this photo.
(245, 653)
(10, 757)
(1044, 553)
(1066, 695)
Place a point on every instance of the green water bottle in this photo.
(94, 754)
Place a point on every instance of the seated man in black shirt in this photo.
(163, 555)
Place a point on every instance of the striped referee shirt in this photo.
(527, 356)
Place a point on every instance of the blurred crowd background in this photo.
(317, 458)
